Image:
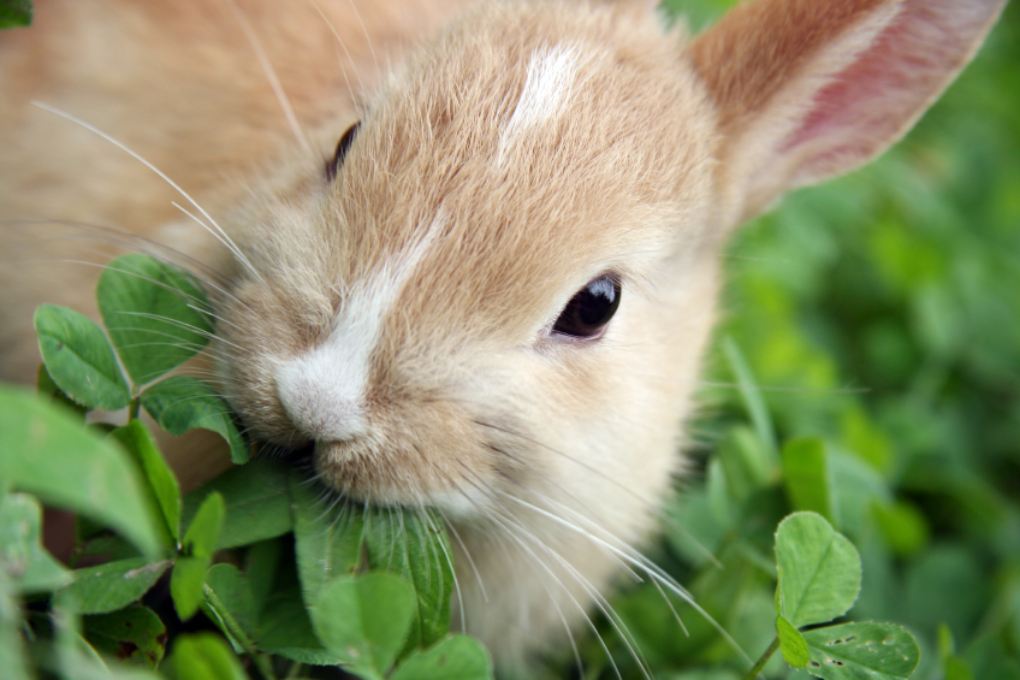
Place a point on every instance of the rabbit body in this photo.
(400, 309)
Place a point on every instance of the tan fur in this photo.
(541, 451)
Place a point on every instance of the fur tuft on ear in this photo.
(808, 89)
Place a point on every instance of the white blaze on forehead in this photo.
(323, 390)
(552, 73)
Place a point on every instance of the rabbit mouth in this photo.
(403, 470)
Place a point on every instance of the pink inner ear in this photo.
(866, 106)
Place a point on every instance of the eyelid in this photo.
(342, 147)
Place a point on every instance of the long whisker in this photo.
(274, 81)
(368, 37)
(649, 567)
(343, 46)
(217, 282)
(573, 459)
(183, 325)
(225, 239)
(230, 245)
(511, 526)
(511, 530)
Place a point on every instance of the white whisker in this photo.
(274, 81)
(368, 37)
(143, 161)
(343, 46)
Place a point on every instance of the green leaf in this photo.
(821, 569)
(229, 597)
(15, 14)
(13, 665)
(855, 485)
(947, 645)
(806, 476)
(181, 403)
(866, 440)
(112, 586)
(263, 564)
(134, 633)
(745, 462)
(79, 358)
(257, 503)
(205, 656)
(365, 620)
(164, 493)
(156, 314)
(186, 582)
(902, 526)
(792, 643)
(415, 547)
(28, 567)
(456, 658)
(47, 453)
(49, 390)
(286, 630)
(955, 668)
(946, 583)
(203, 532)
(328, 544)
(199, 544)
(751, 396)
(877, 651)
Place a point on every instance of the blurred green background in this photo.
(880, 313)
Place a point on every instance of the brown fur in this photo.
(540, 450)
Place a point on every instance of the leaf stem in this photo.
(264, 663)
(763, 660)
(237, 633)
(133, 408)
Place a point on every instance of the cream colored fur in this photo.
(507, 156)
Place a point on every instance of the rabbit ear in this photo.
(808, 89)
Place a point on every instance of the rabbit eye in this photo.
(341, 151)
(588, 312)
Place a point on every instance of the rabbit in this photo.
(470, 251)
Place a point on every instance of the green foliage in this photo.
(188, 579)
(156, 314)
(868, 370)
(457, 657)
(872, 333)
(257, 503)
(47, 454)
(134, 632)
(348, 585)
(204, 656)
(364, 620)
(114, 585)
(181, 403)
(163, 493)
(15, 13)
(28, 567)
(80, 359)
(874, 650)
(819, 570)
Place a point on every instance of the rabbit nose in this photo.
(322, 392)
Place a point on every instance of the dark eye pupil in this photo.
(341, 151)
(590, 310)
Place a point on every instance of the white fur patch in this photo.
(547, 91)
(323, 390)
